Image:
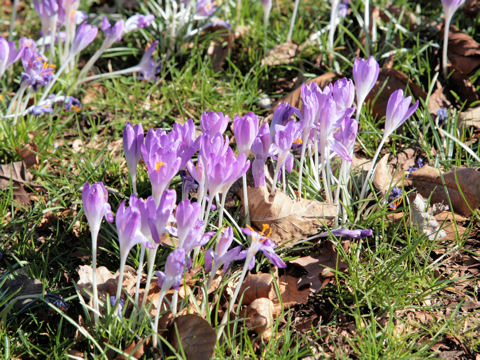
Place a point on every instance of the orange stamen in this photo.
(158, 165)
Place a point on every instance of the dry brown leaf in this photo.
(195, 335)
(383, 178)
(289, 219)
(130, 351)
(260, 317)
(428, 181)
(471, 8)
(394, 80)
(470, 117)
(409, 19)
(463, 50)
(28, 153)
(219, 52)
(289, 292)
(18, 174)
(285, 53)
(294, 98)
(317, 268)
(438, 100)
(28, 289)
(460, 83)
(256, 286)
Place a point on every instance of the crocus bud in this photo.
(132, 142)
(245, 129)
(148, 66)
(398, 110)
(8, 54)
(112, 33)
(214, 123)
(162, 215)
(187, 214)
(83, 37)
(365, 74)
(95, 205)
(174, 268)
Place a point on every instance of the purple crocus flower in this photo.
(343, 9)
(343, 93)
(245, 129)
(112, 33)
(174, 269)
(128, 222)
(216, 145)
(223, 171)
(148, 66)
(121, 303)
(395, 198)
(8, 54)
(222, 256)
(206, 7)
(138, 21)
(398, 110)
(353, 234)
(159, 219)
(261, 150)
(95, 205)
(83, 37)
(345, 138)
(48, 11)
(282, 114)
(187, 215)
(312, 100)
(42, 109)
(195, 238)
(365, 74)
(132, 143)
(450, 6)
(70, 103)
(214, 123)
(442, 115)
(187, 144)
(284, 138)
(147, 209)
(37, 70)
(261, 241)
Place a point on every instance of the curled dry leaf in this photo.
(462, 185)
(463, 50)
(383, 178)
(135, 352)
(394, 80)
(460, 83)
(294, 98)
(260, 317)
(289, 219)
(318, 268)
(195, 335)
(28, 153)
(470, 117)
(256, 286)
(471, 8)
(438, 100)
(285, 53)
(18, 175)
(289, 293)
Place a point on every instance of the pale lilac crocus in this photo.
(195, 239)
(84, 35)
(37, 71)
(214, 123)
(449, 8)
(48, 11)
(283, 113)
(159, 219)
(95, 207)
(149, 67)
(398, 111)
(188, 144)
(343, 93)
(132, 143)
(206, 8)
(8, 54)
(137, 22)
(172, 277)
(187, 215)
(245, 129)
(365, 75)
(261, 151)
(128, 223)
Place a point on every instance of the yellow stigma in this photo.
(298, 141)
(76, 108)
(2, 97)
(158, 165)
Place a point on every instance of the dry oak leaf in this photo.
(195, 335)
(135, 351)
(289, 219)
(383, 179)
(282, 54)
(317, 268)
(18, 174)
(394, 80)
(470, 117)
(289, 293)
(294, 98)
(463, 50)
(428, 181)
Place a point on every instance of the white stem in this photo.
(92, 61)
(94, 235)
(284, 179)
(325, 181)
(110, 74)
(366, 21)
(222, 209)
(134, 184)
(123, 261)
(333, 24)
(446, 29)
(275, 178)
(157, 317)
(151, 253)
(372, 166)
(300, 170)
(173, 307)
(465, 147)
(12, 21)
(245, 198)
(18, 95)
(315, 149)
(139, 273)
(235, 294)
(292, 22)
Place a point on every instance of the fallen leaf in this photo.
(289, 293)
(460, 84)
(289, 219)
(220, 50)
(470, 117)
(428, 182)
(256, 286)
(285, 53)
(260, 317)
(401, 14)
(130, 350)
(28, 153)
(463, 50)
(383, 178)
(317, 268)
(424, 220)
(471, 8)
(28, 289)
(438, 100)
(18, 174)
(294, 98)
(195, 335)
(394, 80)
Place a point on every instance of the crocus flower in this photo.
(365, 74)
(70, 103)
(343, 93)
(284, 138)
(214, 123)
(128, 222)
(83, 37)
(353, 234)
(187, 215)
(195, 238)
(261, 150)
(8, 54)
(442, 116)
(282, 114)
(261, 241)
(206, 7)
(162, 215)
(345, 138)
(112, 33)
(398, 110)
(216, 145)
(121, 304)
(222, 256)
(187, 143)
(174, 268)
(395, 198)
(95, 205)
(132, 143)
(311, 97)
(41, 109)
(48, 11)
(450, 6)
(138, 21)
(148, 66)
(147, 209)
(245, 129)
(37, 70)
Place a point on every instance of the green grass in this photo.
(390, 274)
